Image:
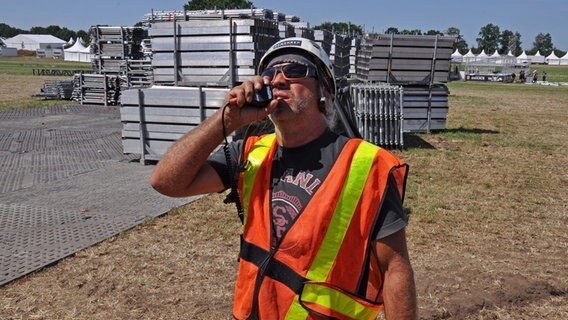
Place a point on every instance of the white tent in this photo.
(482, 55)
(73, 53)
(79, 39)
(469, 56)
(34, 42)
(537, 58)
(523, 58)
(496, 57)
(86, 55)
(564, 59)
(552, 59)
(71, 41)
(457, 57)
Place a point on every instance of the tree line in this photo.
(7, 31)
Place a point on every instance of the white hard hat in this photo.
(323, 63)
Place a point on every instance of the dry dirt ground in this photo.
(488, 234)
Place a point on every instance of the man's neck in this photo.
(291, 134)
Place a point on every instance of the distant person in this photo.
(513, 76)
(544, 76)
(535, 76)
(522, 76)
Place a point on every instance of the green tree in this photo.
(83, 35)
(543, 43)
(413, 31)
(489, 38)
(218, 4)
(392, 30)
(432, 32)
(559, 53)
(341, 27)
(510, 41)
(460, 42)
(38, 30)
(7, 31)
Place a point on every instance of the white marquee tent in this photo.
(482, 55)
(78, 52)
(552, 59)
(523, 58)
(34, 42)
(457, 57)
(469, 56)
(564, 59)
(537, 58)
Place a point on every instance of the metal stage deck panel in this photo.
(66, 185)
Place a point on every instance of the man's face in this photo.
(298, 97)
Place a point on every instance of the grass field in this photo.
(18, 82)
(488, 235)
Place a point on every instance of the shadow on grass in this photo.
(412, 141)
(467, 130)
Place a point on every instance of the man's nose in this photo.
(278, 80)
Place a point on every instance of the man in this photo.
(323, 220)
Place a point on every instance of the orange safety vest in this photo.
(323, 266)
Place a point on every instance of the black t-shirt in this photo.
(297, 173)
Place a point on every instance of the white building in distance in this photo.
(34, 42)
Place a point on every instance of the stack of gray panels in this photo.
(378, 110)
(407, 59)
(302, 30)
(286, 30)
(340, 55)
(209, 52)
(425, 109)
(96, 89)
(325, 39)
(154, 118)
(171, 15)
(56, 89)
(353, 53)
(112, 46)
(139, 73)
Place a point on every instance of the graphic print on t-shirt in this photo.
(289, 199)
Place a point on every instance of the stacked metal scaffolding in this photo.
(139, 73)
(379, 114)
(418, 63)
(425, 108)
(114, 46)
(339, 55)
(325, 39)
(209, 52)
(184, 15)
(353, 53)
(154, 118)
(302, 29)
(405, 59)
(56, 89)
(96, 89)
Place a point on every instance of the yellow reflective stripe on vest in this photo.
(255, 158)
(338, 301)
(347, 203)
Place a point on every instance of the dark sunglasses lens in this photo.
(295, 70)
(269, 72)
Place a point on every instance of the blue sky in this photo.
(528, 17)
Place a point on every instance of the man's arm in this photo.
(399, 291)
(183, 170)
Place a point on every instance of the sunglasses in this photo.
(291, 71)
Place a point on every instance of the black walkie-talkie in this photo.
(262, 97)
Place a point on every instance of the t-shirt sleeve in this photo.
(218, 161)
(392, 216)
